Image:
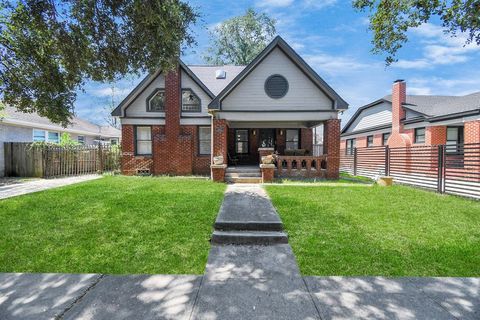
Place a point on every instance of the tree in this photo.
(49, 49)
(240, 39)
(391, 19)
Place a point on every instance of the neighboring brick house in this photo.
(175, 123)
(401, 120)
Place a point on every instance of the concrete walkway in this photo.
(14, 188)
(240, 282)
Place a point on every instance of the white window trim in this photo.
(45, 135)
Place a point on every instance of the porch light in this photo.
(254, 132)
(281, 132)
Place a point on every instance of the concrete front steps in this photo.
(247, 174)
(249, 237)
(247, 217)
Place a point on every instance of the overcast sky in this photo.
(334, 40)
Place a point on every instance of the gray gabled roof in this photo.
(434, 106)
(206, 74)
(117, 112)
(78, 124)
(339, 103)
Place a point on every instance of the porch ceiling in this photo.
(273, 124)
(277, 116)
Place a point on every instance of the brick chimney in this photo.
(399, 96)
(172, 104)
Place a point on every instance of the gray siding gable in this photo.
(278, 42)
(374, 115)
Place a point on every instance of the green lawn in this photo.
(111, 225)
(395, 231)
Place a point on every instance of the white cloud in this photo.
(316, 4)
(107, 92)
(439, 49)
(305, 4)
(274, 3)
(419, 90)
(334, 64)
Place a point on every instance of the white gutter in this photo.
(52, 128)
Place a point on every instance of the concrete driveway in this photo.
(12, 187)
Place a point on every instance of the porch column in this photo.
(331, 144)
(220, 133)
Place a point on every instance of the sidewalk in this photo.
(13, 188)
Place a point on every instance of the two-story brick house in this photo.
(175, 123)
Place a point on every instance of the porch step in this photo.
(243, 174)
(243, 179)
(247, 169)
(249, 237)
(248, 225)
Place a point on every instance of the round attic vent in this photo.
(276, 86)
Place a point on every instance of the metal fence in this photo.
(34, 160)
(453, 169)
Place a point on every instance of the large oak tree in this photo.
(240, 39)
(49, 49)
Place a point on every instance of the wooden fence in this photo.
(33, 160)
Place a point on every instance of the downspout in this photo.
(211, 141)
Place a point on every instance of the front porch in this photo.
(300, 150)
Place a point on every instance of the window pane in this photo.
(204, 135)
(205, 147)
(190, 101)
(420, 135)
(144, 147)
(452, 134)
(81, 139)
(242, 147)
(157, 102)
(143, 133)
(53, 137)
(385, 138)
(292, 145)
(38, 135)
(242, 135)
(292, 135)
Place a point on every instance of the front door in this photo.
(267, 138)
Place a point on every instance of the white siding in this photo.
(138, 107)
(378, 115)
(302, 94)
(188, 83)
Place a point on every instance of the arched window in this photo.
(156, 101)
(190, 101)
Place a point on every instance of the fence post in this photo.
(355, 161)
(441, 165)
(100, 157)
(387, 161)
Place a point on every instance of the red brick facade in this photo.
(174, 147)
(331, 148)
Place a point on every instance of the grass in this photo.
(113, 225)
(394, 231)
